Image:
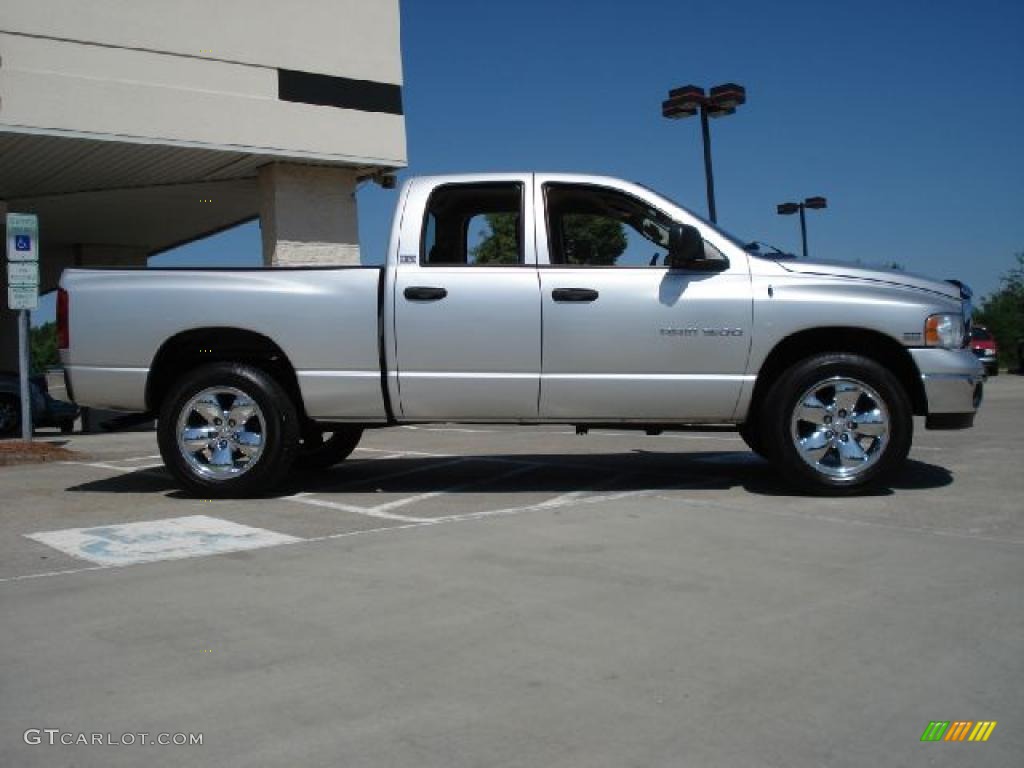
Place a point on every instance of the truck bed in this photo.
(326, 319)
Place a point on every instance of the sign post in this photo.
(23, 295)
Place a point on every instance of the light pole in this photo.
(787, 209)
(720, 101)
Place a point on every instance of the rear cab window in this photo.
(474, 225)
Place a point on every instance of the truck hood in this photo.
(888, 276)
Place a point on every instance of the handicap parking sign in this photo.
(22, 237)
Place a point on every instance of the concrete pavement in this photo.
(466, 596)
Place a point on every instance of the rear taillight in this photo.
(63, 332)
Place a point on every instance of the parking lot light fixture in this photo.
(720, 101)
(728, 96)
(787, 209)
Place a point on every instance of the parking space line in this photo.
(306, 498)
(383, 511)
(119, 465)
(114, 467)
(44, 574)
(452, 489)
(406, 453)
(565, 500)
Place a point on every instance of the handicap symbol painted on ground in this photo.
(169, 539)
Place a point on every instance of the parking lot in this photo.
(512, 596)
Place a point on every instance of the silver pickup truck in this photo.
(529, 299)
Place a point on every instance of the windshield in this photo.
(739, 243)
(980, 334)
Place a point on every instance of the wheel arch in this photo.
(873, 345)
(189, 349)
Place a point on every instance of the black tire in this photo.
(994, 371)
(752, 438)
(10, 415)
(67, 427)
(883, 456)
(277, 426)
(316, 452)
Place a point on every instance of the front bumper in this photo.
(953, 385)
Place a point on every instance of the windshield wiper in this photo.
(754, 246)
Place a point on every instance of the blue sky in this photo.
(908, 116)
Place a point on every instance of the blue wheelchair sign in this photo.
(22, 243)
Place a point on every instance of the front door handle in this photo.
(574, 294)
(424, 293)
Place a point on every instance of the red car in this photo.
(983, 345)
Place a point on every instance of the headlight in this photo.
(990, 353)
(944, 331)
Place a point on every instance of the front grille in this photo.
(978, 352)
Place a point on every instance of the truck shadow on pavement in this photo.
(636, 470)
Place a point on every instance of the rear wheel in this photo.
(228, 430)
(320, 450)
(837, 424)
(10, 415)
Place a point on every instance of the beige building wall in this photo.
(354, 38)
(200, 73)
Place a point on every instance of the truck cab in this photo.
(552, 297)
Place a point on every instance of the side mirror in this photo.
(685, 245)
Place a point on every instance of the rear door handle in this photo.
(574, 294)
(424, 293)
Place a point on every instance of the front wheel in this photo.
(228, 431)
(837, 424)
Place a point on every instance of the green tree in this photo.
(43, 347)
(592, 239)
(1003, 313)
(589, 239)
(500, 241)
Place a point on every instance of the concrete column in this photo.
(308, 215)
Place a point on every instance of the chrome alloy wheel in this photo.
(221, 433)
(840, 427)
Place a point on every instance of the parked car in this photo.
(984, 347)
(528, 299)
(46, 410)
